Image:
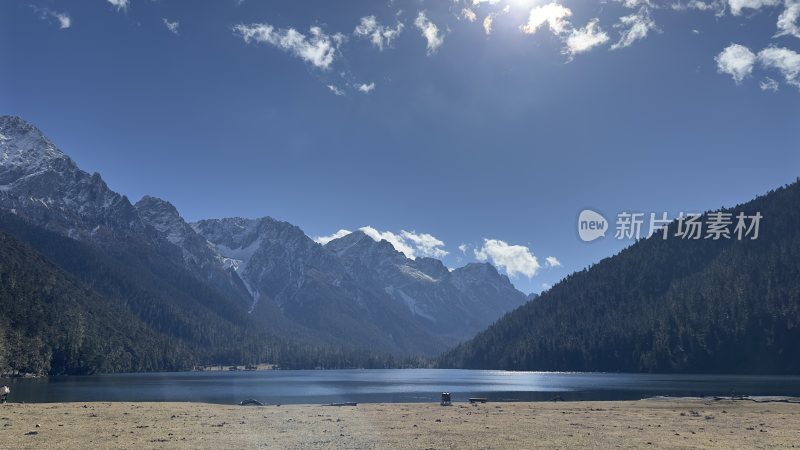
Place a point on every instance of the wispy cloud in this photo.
(785, 61)
(171, 26)
(121, 5)
(381, 36)
(634, 27)
(552, 261)
(634, 3)
(318, 48)
(556, 17)
(553, 14)
(396, 240)
(469, 14)
(514, 259)
(366, 88)
(410, 243)
(488, 22)
(718, 6)
(738, 6)
(62, 18)
(768, 84)
(425, 244)
(433, 37)
(789, 20)
(584, 39)
(325, 239)
(336, 90)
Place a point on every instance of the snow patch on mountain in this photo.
(410, 302)
(416, 274)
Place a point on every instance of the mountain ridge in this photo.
(266, 274)
(710, 306)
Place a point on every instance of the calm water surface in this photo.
(393, 385)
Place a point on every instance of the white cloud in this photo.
(488, 21)
(463, 248)
(63, 19)
(120, 4)
(768, 84)
(366, 88)
(397, 241)
(410, 243)
(737, 6)
(552, 14)
(489, 2)
(634, 3)
(699, 5)
(381, 36)
(425, 244)
(785, 61)
(430, 32)
(546, 286)
(635, 26)
(788, 24)
(737, 61)
(514, 259)
(317, 48)
(584, 39)
(171, 26)
(556, 17)
(336, 91)
(552, 261)
(325, 239)
(469, 14)
(487, 24)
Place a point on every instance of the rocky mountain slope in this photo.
(259, 275)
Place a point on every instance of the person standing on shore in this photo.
(4, 391)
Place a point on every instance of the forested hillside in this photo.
(665, 306)
(71, 309)
(52, 324)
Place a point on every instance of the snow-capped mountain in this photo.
(282, 266)
(454, 304)
(199, 256)
(353, 291)
(43, 185)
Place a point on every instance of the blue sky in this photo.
(230, 108)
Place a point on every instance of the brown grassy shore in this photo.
(677, 423)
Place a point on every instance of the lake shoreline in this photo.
(657, 422)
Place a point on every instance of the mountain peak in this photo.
(163, 216)
(150, 202)
(24, 149)
(479, 268)
(364, 244)
(13, 125)
(239, 232)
